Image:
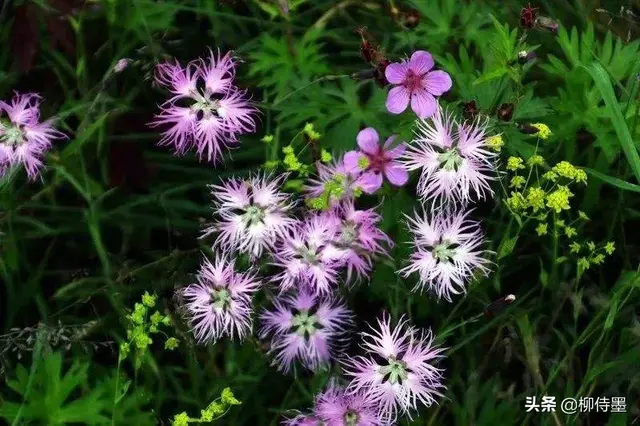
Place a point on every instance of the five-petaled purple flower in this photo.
(23, 138)
(207, 112)
(375, 160)
(416, 82)
(306, 328)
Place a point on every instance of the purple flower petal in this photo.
(351, 160)
(421, 62)
(437, 82)
(368, 140)
(423, 104)
(395, 152)
(370, 182)
(397, 99)
(396, 174)
(396, 73)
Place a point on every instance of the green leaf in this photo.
(619, 183)
(603, 83)
(492, 75)
(506, 246)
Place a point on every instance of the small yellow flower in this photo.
(267, 139)
(228, 398)
(583, 263)
(181, 419)
(550, 175)
(574, 247)
(560, 223)
(325, 156)
(598, 259)
(148, 300)
(535, 198)
(516, 202)
(543, 131)
(517, 182)
(171, 343)
(535, 160)
(515, 163)
(287, 149)
(310, 131)
(591, 245)
(609, 248)
(558, 200)
(495, 143)
(570, 232)
(542, 229)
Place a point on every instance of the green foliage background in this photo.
(116, 216)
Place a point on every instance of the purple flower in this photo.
(336, 407)
(23, 138)
(307, 256)
(375, 160)
(454, 159)
(207, 112)
(337, 182)
(253, 214)
(219, 303)
(447, 252)
(121, 65)
(306, 328)
(415, 81)
(396, 372)
(358, 239)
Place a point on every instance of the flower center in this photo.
(351, 418)
(305, 324)
(205, 106)
(253, 215)
(395, 372)
(413, 81)
(450, 160)
(12, 135)
(308, 253)
(349, 233)
(444, 252)
(220, 298)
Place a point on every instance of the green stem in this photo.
(554, 265)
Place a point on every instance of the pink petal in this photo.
(396, 174)
(396, 151)
(397, 99)
(423, 104)
(437, 82)
(421, 62)
(396, 72)
(370, 182)
(351, 160)
(368, 140)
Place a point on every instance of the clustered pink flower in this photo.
(220, 303)
(416, 83)
(447, 252)
(348, 181)
(206, 112)
(23, 138)
(305, 327)
(253, 214)
(396, 373)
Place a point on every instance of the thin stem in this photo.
(317, 80)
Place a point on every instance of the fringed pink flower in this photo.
(206, 112)
(306, 328)
(397, 372)
(447, 252)
(252, 214)
(23, 138)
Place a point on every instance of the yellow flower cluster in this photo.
(495, 143)
(142, 325)
(214, 411)
(543, 130)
